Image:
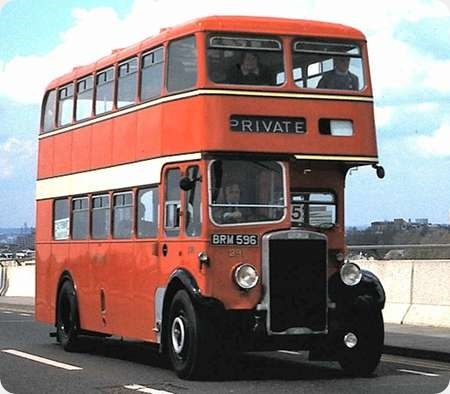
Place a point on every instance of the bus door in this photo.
(182, 215)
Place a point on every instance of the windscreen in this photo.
(243, 191)
(243, 60)
(327, 65)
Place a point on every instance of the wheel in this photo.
(363, 358)
(190, 339)
(67, 322)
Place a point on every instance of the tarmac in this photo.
(432, 343)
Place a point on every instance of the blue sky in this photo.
(409, 50)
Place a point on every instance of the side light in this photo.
(203, 258)
(350, 274)
(340, 257)
(246, 276)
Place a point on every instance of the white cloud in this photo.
(12, 153)
(437, 144)
(383, 115)
(3, 3)
(95, 32)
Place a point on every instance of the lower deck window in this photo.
(100, 217)
(61, 219)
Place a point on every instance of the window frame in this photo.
(309, 203)
(168, 70)
(45, 109)
(142, 67)
(87, 89)
(120, 77)
(115, 232)
(327, 42)
(156, 210)
(73, 210)
(67, 218)
(70, 96)
(106, 81)
(108, 221)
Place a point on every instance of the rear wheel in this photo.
(67, 321)
(190, 339)
(366, 338)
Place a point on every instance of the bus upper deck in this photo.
(181, 92)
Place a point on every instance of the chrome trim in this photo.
(264, 305)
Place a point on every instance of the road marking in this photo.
(24, 314)
(143, 389)
(418, 372)
(7, 312)
(41, 360)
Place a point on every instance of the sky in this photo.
(409, 53)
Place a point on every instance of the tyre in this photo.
(363, 358)
(67, 322)
(190, 339)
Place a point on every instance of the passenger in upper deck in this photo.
(340, 77)
(249, 71)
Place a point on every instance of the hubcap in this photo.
(350, 340)
(178, 335)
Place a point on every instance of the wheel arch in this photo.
(66, 276)
(182, 279)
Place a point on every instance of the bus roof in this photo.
(235, 24)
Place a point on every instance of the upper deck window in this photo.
(126, 84)
(84, 98)
(182, 67)
(65, 105)
(48, 121)
(105, 91)
(152, 74)
(328, 65)
(246, 191)
(244, 60)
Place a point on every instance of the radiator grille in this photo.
(298, 284)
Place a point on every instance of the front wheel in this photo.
(190, 338)
(365, 339)
(67, 321)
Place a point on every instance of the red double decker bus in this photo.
(190, 193)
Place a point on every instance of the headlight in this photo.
(246, 276)
(350, 274)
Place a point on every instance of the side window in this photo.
(61, 220)
(122, 215)
(193, 215)
(182, 67)
(48, 115)
(65, 105)
(84, 98)
(152, 74)
(105, 91)
(172, 203)
(100, 217)
(80, 218)
(147, 212)
(126, 84)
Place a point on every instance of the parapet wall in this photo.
(417, 291)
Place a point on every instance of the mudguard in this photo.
(368, 294)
